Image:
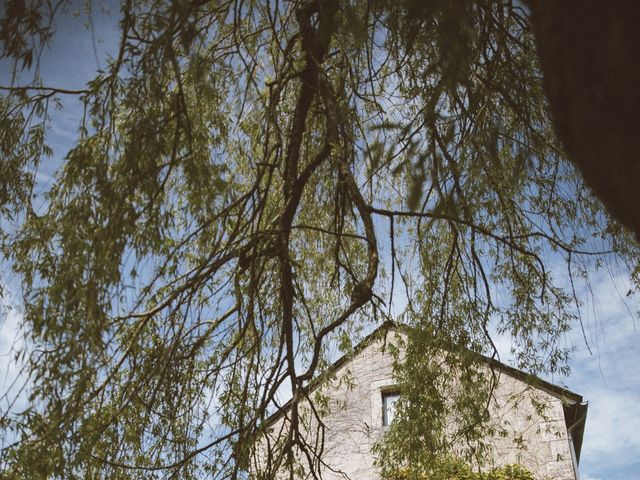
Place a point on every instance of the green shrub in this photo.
(455, 469)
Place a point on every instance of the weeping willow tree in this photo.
(251, 183)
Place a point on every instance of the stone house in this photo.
(360, 408)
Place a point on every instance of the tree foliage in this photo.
(450, 468)
(250, 182)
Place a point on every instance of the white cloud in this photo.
(11, 380)
(607, 378)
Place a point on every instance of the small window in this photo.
(389, 400)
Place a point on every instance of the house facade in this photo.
(361, 396)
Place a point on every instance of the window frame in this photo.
(386, 395)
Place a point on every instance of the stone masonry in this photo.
(536, 438)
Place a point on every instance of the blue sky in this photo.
(607, 377)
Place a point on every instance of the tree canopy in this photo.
(251, 183)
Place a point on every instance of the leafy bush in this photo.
(455, 469)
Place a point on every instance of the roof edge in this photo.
(565, 395)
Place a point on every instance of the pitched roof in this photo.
(574, 407)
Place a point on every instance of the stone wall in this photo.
(532, 420)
